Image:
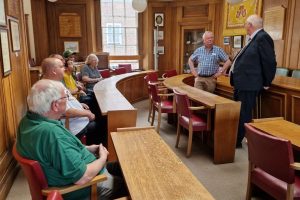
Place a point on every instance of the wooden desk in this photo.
(281, 100)
(114, 96)
(152, 170)
(281, 129)
(226, 116)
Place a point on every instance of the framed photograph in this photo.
(2, 13)
(159, 19)
(71, 45)
(237, 41)
(226, 41)
(4, 54)
(161, 50)
(15, 35)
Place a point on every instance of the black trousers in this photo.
(248, 101)
(93, 134)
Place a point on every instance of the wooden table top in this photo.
(279, 81)
(281, 129)
(152, 170)
(109, 97)
(208, 99)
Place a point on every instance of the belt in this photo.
(205, 75)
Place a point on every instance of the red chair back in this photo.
(34, 174)
(169, 73)
(152, 77)
(104, 73)
(271, 154)
(55, 195)
(182, 104)
(120, 70)
(154, 95)
(127, 67)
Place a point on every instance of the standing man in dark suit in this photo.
(252, 70)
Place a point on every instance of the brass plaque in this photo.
(69, 25)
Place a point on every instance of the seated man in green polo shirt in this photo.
(64, 160)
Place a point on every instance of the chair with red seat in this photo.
(120, 70)
(105, 73)
(38, 184)
(271, 165)
(169, 73)
(126, 66)
(54, 195)
(159, 104)
(187, 119)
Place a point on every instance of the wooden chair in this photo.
(187, 119)
(120, 70)
(105, 73)
(38, 184)
(127, 67)
(160, 105)
(271, 165)
(169, 73)
(280, 71)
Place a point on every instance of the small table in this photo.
(152, 170)
(280, 128)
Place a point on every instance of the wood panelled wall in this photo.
(179, 15)
(13, 91)
(46, 26)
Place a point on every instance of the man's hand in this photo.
(93, 148)
(103, 153)
(86, 107)
(90, 115)
(194, 73)
(82, 93)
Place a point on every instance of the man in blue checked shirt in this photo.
(208, 58)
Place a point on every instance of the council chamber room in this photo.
(149, 99)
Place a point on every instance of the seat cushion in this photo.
(273, 186)
(199, 123)
(167, 106)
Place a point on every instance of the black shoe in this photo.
(239, 146)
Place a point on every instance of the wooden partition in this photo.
(114, 96)
(225, 111)
(281, 100)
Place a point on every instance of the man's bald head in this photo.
(53, 69)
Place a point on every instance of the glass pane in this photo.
(114, 63)
(129, 11)
(119, 50)
(131, 50)
(106, 8)
(130, 22)
(108, 48)
(118, 8)
(131, 36)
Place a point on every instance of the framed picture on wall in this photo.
(15, 34)
(226, 41)
(71, 45)
(4, 52)
(237, 41)
(2, 13)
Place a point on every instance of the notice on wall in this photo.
(274, 22)
(69, 25)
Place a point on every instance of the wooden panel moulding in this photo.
(195, 11)
(295, 109)
(273, 104)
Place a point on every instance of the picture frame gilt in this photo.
(2, 13)
(237, 41)
(4, 52)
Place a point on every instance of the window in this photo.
(119, 27)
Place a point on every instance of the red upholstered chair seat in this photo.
(271, 165)
(198, 123)
(187, 119)
(105, 73)
(167, 106)
(169, 73)
(273, 185)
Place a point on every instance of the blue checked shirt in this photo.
(208, 62)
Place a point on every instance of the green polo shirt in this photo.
(61, 155)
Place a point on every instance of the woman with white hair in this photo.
(89, 72)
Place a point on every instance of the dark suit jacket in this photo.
(255, 67)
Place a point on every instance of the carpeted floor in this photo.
(224, 182)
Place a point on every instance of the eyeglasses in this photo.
(65, 97)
